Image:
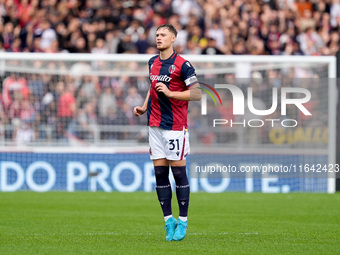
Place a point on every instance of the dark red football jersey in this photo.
(178, 75)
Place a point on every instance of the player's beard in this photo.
(162, 47)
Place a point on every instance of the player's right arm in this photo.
(140, 110)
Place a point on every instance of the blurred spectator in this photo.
(89, 86)
(61, 32)
(8, 35)
(112, 40)
(26, 10)
(24, 134)
(196, 36)
(100, 47)
(215, 32)
(3, 122)
(106, 101)
(310, 42)
(335, 13)
(272, 40)
(2, 49)
(212, 48)
(142, 44)
(184, 8)
(3, 117)
(36, 85)
(133, 98)
(125, 115)
(14, 109)
(47, 34)
(126, 45)
(79, 46)
(164, 7)
(192, 48)
(135, 30)
(110, 118)
(16, 45)
(87, 121)
(115, 117)
(10, 85)
(240, 48)
(27, 111)
(333, 43)
(48, 110)
(302, 6)
(66, 107)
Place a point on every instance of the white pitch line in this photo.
(232, 233)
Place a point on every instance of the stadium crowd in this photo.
(239, 27)
(257, 27)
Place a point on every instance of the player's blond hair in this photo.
(170, 27)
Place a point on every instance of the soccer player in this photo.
(173, 84)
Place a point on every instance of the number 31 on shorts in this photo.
(173, 143)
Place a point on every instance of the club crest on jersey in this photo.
(172, 69)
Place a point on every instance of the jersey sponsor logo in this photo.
(172, 68)
(160, 78)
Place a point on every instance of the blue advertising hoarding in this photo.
(129, 172)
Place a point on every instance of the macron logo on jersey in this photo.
(160, 78)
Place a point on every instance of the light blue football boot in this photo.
(170, 226)
(181, 230)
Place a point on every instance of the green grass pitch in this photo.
(132, 223)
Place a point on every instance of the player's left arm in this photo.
(188, 74)
(192, 94)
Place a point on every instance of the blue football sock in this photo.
(182, 189)
(163, 189)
